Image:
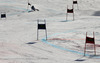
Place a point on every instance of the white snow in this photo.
(66, 39)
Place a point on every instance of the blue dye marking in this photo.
(24, 10)
(62, 33)
(66, 21)
(14, 7)
(44, 40)
(80, 53)
(7, 2)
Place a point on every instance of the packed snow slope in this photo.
(66, 39)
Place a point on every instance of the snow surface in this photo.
(66, 39)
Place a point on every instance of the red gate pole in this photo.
(67, 13)
(85, 45)
(91, 41)
(73, 11)
(94, 44)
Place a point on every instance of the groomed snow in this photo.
(66, 39)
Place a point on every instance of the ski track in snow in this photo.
(56, 46)
(27, 56)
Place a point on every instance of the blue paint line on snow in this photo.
(69, 31)
(44, 40)
(16, 13)
(11, 6)
(7, 2)
(10, 2)
(23, 10)
(14, 7)
(59, 47)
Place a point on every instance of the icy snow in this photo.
(66, 39)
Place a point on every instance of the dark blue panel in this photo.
(3, 15)
(41, 26)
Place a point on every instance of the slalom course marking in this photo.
(59, 47)
(23, 9)
(56, 46)
(43, 40)
(10, 2)
(64, 39)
